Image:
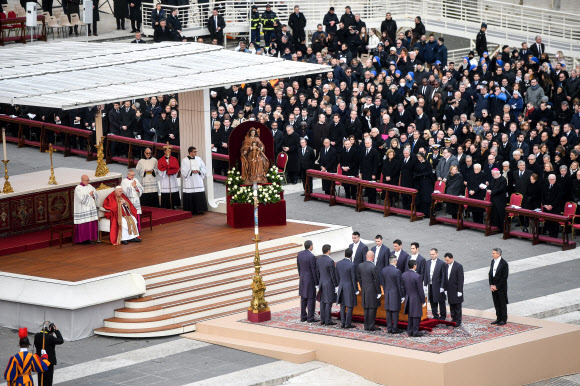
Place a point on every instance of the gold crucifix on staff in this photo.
(52, 179)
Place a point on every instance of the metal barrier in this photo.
(507, 23)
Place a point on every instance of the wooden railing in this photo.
(43, 139)
(132, 143)
(460, 223)
(18, 25)
(220, 157)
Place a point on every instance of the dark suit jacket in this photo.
(278, 140)
(552, 197)
(368, 278)
(438, 279)
(407, 172)
(454, 283)
(350, 158)
(382, 260)
(403, 261)
(370, 164)
(50, 341)
(534, 49)
(391, 282)
(521, 183)
(361, 253)
(329, 160)
(114, 121)
(347, 288)
(421, 263)
(326, 277)
(412, 285)
(306, 262)
(140, 41)
(211, 25)
(500, 278)
(306, 160)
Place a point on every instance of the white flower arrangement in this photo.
(267, 194)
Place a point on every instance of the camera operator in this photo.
(44, 343)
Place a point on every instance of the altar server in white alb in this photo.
(133, 189)
(193, 173)
(86, 219)
(147, 172)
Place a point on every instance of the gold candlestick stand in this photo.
(7, 186)
(52, 179)
(258, 310)
(102, 169)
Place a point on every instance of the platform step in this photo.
(176, 328)
(200, 289)
(193, 313)
(148, 277)
(220, 294)
(292, 354)
(217, 274)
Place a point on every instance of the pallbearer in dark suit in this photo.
(421, 261)
(307, 158)
(498, 190)
(328, 162)
(454, 288)
(434, 281)
(308, 282)
(394, 295)
(368, 279)
(359, 249)
(498, 275)
(382, 253)
(349, 164)
(412, 285)
(328, 284)
(402, 256)
(347, 288)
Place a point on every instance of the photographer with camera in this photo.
(44, 343)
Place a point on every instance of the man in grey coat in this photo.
(442, 170)
(412, 285)
(326, 277)
(347, 288)
(434, 281)
(368, 279)
(394, 295)
(308, 282)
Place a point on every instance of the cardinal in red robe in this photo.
(168, 167)
(123, 216)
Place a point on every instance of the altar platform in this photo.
(181, 273)
(524, 351)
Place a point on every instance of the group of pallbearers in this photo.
(396, 275)
(140, 188)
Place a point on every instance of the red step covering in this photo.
(41, 239)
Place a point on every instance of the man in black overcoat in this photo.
(382, 253)
(394, 294)
(216, 25)
(552, 203)
(359, 249)
(349, 164)
(412, 285)
(454, 288)
(498, 276)
(368, 279)
(498, 190)
(328, 285)
(291, 145)
(407, 173)
(370, 166)
(328, 162)
(306, 262)
(306, 158)
(347, 288)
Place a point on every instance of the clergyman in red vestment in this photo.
(123, 216)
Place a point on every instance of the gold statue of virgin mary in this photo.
(255, 164)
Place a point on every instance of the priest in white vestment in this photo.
(147, 172)
(86, 218)
(192, 174)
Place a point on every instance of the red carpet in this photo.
(41, 239)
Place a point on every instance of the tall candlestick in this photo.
(4, 144)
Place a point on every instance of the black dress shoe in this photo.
(351, 326)
(302, 195)
(313, 321)
(135, 240)
(418, 335)
(396, 331)
(502, 323)
(133, 31)
(124, 242)
(495, 322)
(375, 328)
(331, 323)
(303, 320)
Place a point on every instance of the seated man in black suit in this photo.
(162, 34)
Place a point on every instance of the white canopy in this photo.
(69, 75)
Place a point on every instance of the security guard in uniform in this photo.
(256, 21)
(268, 19)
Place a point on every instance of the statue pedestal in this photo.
(242, 215)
